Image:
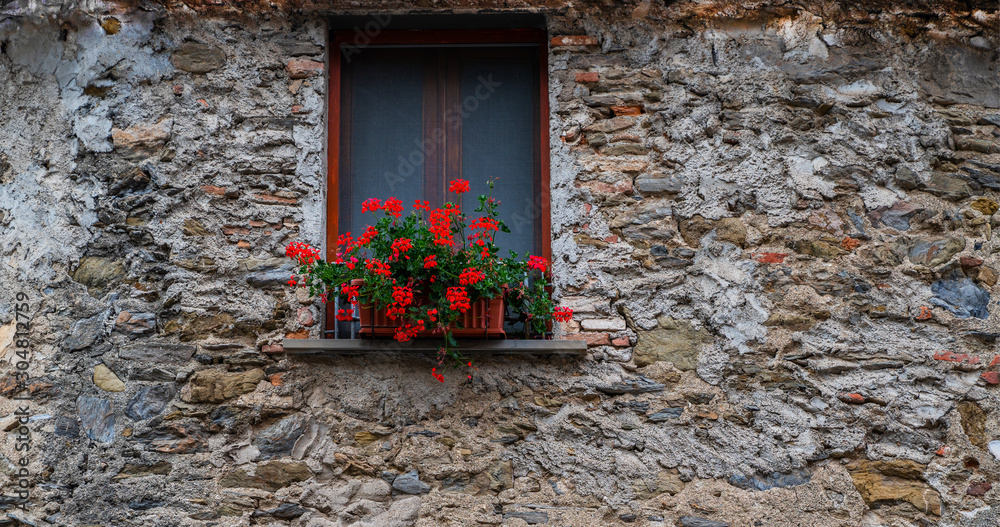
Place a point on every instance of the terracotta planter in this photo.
(484, 319)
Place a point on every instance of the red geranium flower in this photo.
(393, 207)
(371, 204)
(537, 262)
(458, 186)
(563, 314)
(430, 261)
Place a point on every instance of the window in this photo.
(412, 110)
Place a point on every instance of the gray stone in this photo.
(279, 438)
(530, 517)
(66, 426)
(640, 384)
(659, 183)
(934, 252)
(157, 352)
(85, 332)
(149, 401)
(949, 186)
(410, 483)
(665, 414)
(297, 48)
(694, 521)
(772, 480)
(154, 374)
(271, 278)
(285, 511)
(962, 297)
(194, 57)
(907, 179)
(97, 418)
(135, 324)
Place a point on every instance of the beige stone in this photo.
(875, 486)
(673, 341)
(98, 274)
(106, 379)
(973, 423)
(214, 386)
(731, 230)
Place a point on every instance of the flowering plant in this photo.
(434, 254)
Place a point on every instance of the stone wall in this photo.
(774, 225)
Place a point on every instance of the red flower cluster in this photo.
(408, 331)
(537, 262)
(371, 204)
(563, 314)
(486, 224)
(436, 375)
(302, 253)
(458, 186)
(393, 207)
(430, 262)
(402, 295)
(471, 276)
(344, 315)
(418, 205)
(377, 267)
(440, 221)
(458, 297)
(367, 236)
(400, 246)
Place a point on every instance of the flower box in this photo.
(484, 319)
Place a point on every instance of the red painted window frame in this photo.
(431, 37)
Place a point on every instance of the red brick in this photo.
(770, 258)
(849, 244)
(588, 76)
(257, 223)
(994, 362)
(243, 244)
(852, 398)
(942, 451)
(626, 110)
(611, 239)
(303, 68)
(620, 342)
(925, 313)
(592, 339)
(274, 200)
(968, 262)
(298, 108)
(991, 377)
(212, 189)
(961, 358)
(574, 40)
(233, 229)
(304, 334)
(273, 348)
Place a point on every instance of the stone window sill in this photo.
(419, 346)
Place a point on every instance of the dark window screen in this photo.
(413, 119)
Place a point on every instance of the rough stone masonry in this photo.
(775, 221)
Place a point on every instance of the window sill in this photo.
(419, 346)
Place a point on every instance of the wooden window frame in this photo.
(417, 38)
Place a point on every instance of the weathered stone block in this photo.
(673, 341)
(214, 386)
(194, 57)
